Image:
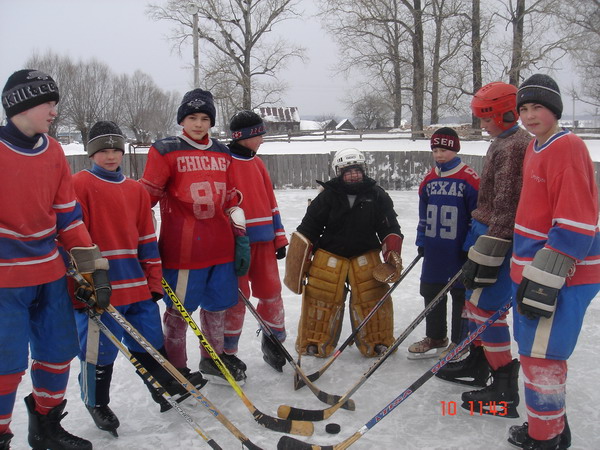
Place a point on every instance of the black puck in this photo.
(333, 428)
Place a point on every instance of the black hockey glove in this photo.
(542, 280)
(90, 264)
(280, 253)
(421, 251)
(156, 296)
(485, 258)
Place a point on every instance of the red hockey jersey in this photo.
(37, 206)
(116, 211)
(194, 186)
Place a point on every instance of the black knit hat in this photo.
(197, 101)
(105, 134)
(543, 90)
(445, 138)
(246, 124)
(27, 88)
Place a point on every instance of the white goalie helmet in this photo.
(348, 157)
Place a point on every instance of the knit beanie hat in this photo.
(197, 101)
(246, 124)
(543, 90)
(105, 134)
(27, 88)
(445, 138)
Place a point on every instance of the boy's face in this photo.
(109, 158)
(442, 155)
(490, 126)
(538, 120)
(196, 125)
(37, 119)
(252, 143)
(352, 175)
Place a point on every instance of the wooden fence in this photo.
(395, 170)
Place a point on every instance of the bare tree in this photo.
(239, 34)
(370, 112)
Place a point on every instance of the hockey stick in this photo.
(143, 342)
(290, 412)
(270, 422)
(298, 383)
(289, 443)
(146, 375)
(320, 394)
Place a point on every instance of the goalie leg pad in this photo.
(297, 262)
(323, 304)
(366, 291)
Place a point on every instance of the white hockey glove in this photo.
(542, 281)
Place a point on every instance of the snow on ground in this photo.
(417, 423)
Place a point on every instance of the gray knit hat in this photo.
(26, 89)
(543, 90)
(105, 134)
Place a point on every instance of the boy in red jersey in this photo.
(130, 246)
(556, 261)
(35, 310)
(267, 238)
(203, 243)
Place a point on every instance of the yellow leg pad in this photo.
(323, 304)
(365, 293)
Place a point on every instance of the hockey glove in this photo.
(280, 253)
(88, 262)
(485, 258)
(242, 255)
(391, 269)
(421, 251)
(542, 281)
(156, 296)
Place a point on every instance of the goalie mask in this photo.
(348, 158)
(496, 100)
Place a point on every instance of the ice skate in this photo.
(211, 372)
(427, 348)
(458, 357)
(234, 361)
(518, 436)
(104, 418)
(272, 354)
(5, 441)
(473, 370)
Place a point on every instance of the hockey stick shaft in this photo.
(322, 414)
(146, 375)
(320, 394)
(289, 443)
(316, 375)
(273, 423)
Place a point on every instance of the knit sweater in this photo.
(501, 182)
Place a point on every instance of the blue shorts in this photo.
(556, 337)
(37, 317)
(214, 288)
(97, 349)
(493, 297)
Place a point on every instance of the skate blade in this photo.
(216, 379)
(435, 353)
(462, 381)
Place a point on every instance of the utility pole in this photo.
(192, 9)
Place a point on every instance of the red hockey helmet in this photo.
(496, 100)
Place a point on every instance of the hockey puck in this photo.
(333, 428)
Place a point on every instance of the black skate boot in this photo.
(474, 370)
(234, 361)
(272, 354)
(210, 370)
(5, 441)
(518, 435)
(45, 432)
(500, 398)
(173, 387)
(104, 418)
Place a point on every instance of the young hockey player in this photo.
(267, 238)
(203, 243)
(347, 225)
(447, 197)
(486, 273)
(555, 267)
(130, 246)
(35, 309)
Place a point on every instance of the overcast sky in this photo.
(118, 33)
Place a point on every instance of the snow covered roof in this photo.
(279, 114)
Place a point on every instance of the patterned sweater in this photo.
(501, 181)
